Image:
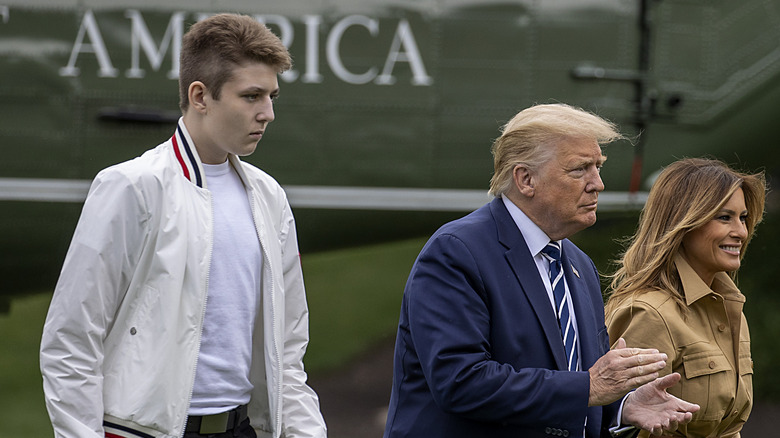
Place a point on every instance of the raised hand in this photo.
(621, 370)
(653, 409)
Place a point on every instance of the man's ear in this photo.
(197, 95)
(524, 179)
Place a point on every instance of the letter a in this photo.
(89, 26)
(404, 37)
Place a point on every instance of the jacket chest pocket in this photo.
(709, 382)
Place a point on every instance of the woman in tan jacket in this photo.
(675, 288)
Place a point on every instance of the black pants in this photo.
(244, 430)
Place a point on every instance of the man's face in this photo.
(237, 121)
(566, 188)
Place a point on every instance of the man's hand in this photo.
(653, 409)
(621, 370)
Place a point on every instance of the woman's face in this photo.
(715, 247)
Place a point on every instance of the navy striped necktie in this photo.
(552, 252)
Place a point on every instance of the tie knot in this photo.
(552, 251)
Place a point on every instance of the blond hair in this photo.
(531, 134)
(687, 195)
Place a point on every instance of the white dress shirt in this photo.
(537, 240)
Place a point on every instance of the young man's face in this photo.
(237, 121)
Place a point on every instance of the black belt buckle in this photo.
(217, 423)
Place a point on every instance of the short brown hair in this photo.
(531, 134)
(215, 46)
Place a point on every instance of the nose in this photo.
(739, 230)
(595, 184)
(265, 112)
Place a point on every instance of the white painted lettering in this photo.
(89, 27)
(312, 75)
(411, 54)
(403, 48)
(334, 42)
(140, 38)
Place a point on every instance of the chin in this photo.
(588, 220)
(247, 151)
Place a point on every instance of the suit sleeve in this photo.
(450, 328)
(94, 277)
(301, 416)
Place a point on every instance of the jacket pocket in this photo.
(134, 342)
(707, 383)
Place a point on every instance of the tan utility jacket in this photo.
(709, 347)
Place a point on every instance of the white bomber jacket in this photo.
(122, 335)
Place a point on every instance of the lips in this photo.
(731, 249)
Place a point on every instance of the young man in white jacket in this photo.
(180, 310)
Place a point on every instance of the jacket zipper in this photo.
(202, 314)
(273, 311)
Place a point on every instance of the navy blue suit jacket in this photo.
(479, 352)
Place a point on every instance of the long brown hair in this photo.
(686, 195)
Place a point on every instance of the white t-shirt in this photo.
(222, 374)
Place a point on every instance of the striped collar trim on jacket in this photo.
(187, 156)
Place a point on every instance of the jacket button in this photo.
(722, 327)
(712, 364)
(133, 331)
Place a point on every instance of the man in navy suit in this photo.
(479, 350)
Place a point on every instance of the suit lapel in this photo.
(584, 310)
(522, 264)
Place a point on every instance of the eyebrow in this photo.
(732, 212)
(259, 89)
(581, 161)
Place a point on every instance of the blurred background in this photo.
(383, 133)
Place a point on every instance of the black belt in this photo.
(216, 423)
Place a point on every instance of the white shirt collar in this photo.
(534, 237)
